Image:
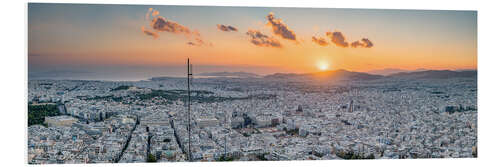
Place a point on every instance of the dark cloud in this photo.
(337, 38)
(226, 28)
(364, 43)
(280, 28)
(148, 32)
(259, 39)
(320, 41)
(368, 43)
(356, 44)
(161, 24)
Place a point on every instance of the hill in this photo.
(435, 74)
(230, 74)
(326, 75)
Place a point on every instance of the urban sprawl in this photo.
(247, 119)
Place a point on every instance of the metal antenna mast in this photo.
(225, 137)
(189, 76)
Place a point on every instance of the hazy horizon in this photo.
(144, 73)
(134, 41)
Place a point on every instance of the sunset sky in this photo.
(252, 39)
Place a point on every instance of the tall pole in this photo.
(225, 137)
(189, 74)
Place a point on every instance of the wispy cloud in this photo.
(337, 38)
(280, 28)
(155, 13)
(227, 28)
(260, 39)
(320, 41)
(152, 13)
(148, 13)
(148, 32)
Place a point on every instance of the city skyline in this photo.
(95, 38)
(109, 84)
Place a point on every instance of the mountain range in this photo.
(342, 74)
(389, 71)
(230, 74)
(435, 74)
(328, 75)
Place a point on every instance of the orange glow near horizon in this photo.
(448, 41)
(323, 65)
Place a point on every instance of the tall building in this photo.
(350, 106)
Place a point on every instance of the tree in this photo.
(224, 158)
(151, 158)
(37, 113)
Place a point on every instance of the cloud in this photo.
(148, 13)
(364, 43)
(356, 44)
(337, 38)
(259, 39)
(161, 24)
(368, 43)
(320, 41)
(148, 32)
(227, 28)
(197, 41)
(155, 13)
(152, 12)
(280, 28)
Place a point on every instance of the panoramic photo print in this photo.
(162, 83)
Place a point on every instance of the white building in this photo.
(60, 121)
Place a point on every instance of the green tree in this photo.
(151, 158)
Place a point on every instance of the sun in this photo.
(322, 65)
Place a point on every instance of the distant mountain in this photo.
(326, 75)
(165, 78)
(229, 74)
(435, 74)
(341, 74)
(389, 71)
(465, 70)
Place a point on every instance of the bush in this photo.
(353, 155)
(123, 87)
(151, 158)
(262, 157)
(224, 158)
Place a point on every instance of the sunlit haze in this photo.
(157, 40)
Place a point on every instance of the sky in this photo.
(148, 40)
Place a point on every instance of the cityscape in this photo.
(254, 119)
(93, 103)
